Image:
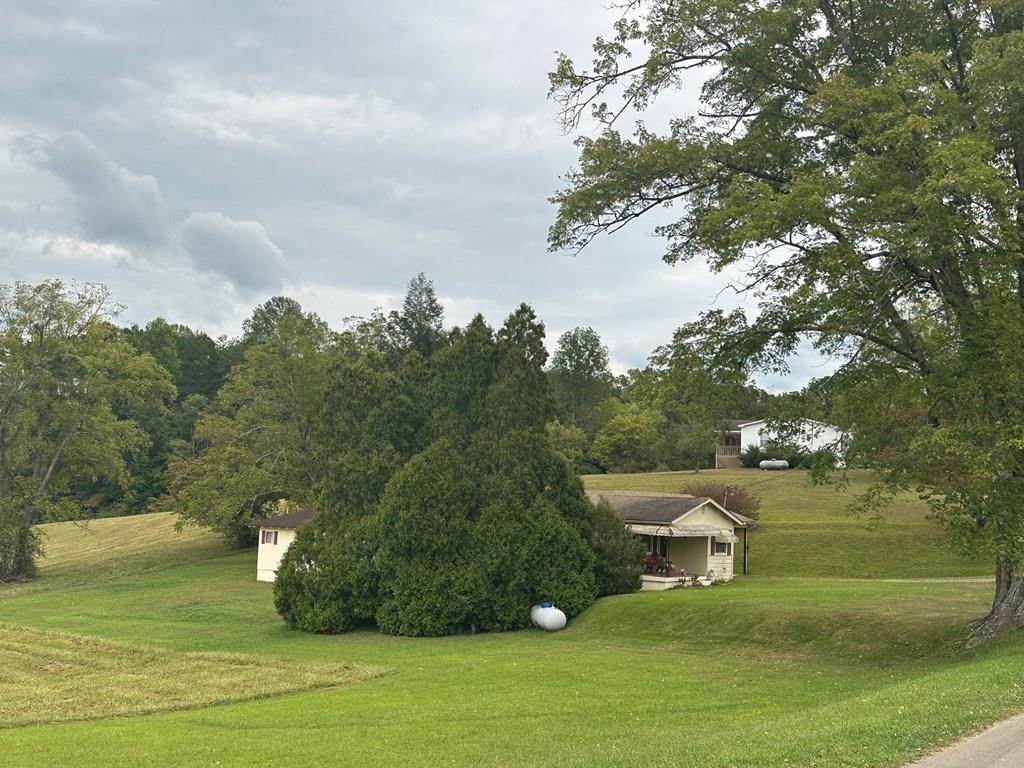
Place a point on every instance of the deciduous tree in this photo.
(65, 373)
(864, 162)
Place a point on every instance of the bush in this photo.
(618, 553)
(794, 454)
(426, 522)
(526, 555)
(327, 581)
(19, 546)
(733, 497)
(751, 457)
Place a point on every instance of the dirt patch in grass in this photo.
(50, 677)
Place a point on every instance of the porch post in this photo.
(746, 555)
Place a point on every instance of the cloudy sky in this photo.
(201, 157)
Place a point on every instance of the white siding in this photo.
(814, 436)
(268, 558)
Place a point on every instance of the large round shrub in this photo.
(327, 580)
(428, 585)
(618, 554)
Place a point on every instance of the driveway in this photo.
(1001, 746)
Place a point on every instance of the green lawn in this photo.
(767, 671)
(808, 530)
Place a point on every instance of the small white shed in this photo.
(276, 535)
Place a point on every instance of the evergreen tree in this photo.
(421, 321)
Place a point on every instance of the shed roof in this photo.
(296, 519)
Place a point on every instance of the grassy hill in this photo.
(150, 639)
(808, 530)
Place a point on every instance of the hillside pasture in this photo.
(809, 530)
(797, 672)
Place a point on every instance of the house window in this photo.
(269, 537)
(720, 547)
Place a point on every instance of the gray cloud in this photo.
(239, 251)
(114, 204)
(373, 140)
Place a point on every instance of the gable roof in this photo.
(660, 508)
(296, 519)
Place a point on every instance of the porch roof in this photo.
(690, 532)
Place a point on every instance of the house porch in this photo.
(678, 557)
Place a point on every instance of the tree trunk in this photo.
(1007, 608)
(18, 547)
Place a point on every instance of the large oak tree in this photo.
(864, 163)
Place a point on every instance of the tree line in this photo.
(97, 418)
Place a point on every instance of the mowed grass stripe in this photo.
(51, 676)
(114, 545)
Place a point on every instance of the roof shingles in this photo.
(653, 508)
(296, 519)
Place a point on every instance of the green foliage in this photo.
(580, 379)
(618, 553)
(327, 581)
(472, 529)
(460, 376)
(66, 377)
(428, 583)
(262, 324)
(626, 443)
(369, 425)
(519, 395)
(694, 397)
(259, 446)
(861, 166)
(420, 324)
(567, 441)
(19, 545)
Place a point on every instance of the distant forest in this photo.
(101, 419)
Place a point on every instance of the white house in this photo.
(808, 434)
(687, 537)
(276, 535)
(742, 435)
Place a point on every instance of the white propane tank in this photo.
(774, 464)
(547, 617)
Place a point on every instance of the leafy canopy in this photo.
(66, 376)
(864, 162)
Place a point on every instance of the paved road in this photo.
(1001, 746)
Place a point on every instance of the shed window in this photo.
(720, 547)
(269, 537)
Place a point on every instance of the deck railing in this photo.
(728, 450)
